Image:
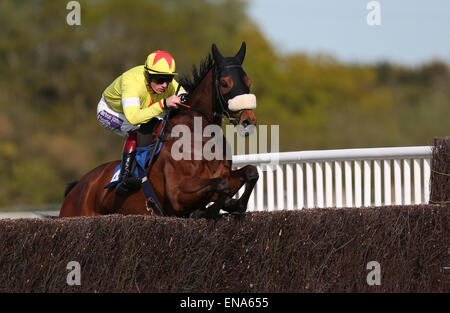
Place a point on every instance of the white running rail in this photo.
(339, 178)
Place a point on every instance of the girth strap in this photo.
(150, 195)
(146, 187)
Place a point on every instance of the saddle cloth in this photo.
(142, 154)
(142, 157)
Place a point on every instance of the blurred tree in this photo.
(52, 76)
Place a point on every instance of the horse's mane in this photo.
(191, 83)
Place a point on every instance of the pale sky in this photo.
(411, 32)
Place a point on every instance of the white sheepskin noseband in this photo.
(242, 102)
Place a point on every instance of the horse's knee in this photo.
(223, 186)
(251, 173)
(234, 206)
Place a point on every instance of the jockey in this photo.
(133, 99)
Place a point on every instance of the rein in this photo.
(202, 112)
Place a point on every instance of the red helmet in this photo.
(160, 63)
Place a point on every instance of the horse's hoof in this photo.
(233, 206)
(237, 215)
(230, 206)
(251, 174)
(198, 214)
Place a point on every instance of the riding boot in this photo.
(128, 182)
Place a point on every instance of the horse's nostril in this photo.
(245, 123)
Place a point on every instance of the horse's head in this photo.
(232, 88)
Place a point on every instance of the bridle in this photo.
(218, 95)
(217, 98)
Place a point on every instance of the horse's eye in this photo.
(223, 84)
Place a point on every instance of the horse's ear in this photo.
(216, 54)
(241, 54)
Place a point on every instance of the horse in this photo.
(185, 187)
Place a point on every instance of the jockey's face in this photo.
(158, 88)
(159, 83)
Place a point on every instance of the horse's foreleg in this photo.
(247, 175)
(195, 193)
(213, 210)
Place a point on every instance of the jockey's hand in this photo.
(172, 101)
(184, 97)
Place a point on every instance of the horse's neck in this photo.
(202, 98)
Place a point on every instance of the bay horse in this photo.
(184, 187)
